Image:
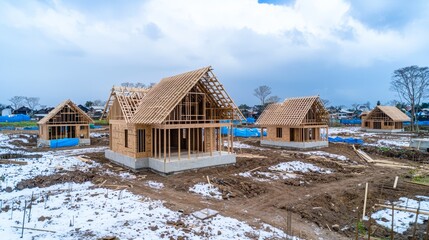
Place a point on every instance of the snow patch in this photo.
(326, 154)
(206, 190)
(154, 184)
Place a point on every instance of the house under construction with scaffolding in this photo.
(173, 126)
(300, 122)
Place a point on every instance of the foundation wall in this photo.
(295, 145)
(168, 167)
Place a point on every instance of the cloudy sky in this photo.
(345, 51)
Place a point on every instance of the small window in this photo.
(82, 127)
(126, 138)
(141, 140)
(279, 132)
(366, 124)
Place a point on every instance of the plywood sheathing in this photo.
(294, 112)
(392, 112)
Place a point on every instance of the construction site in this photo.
(169, 166)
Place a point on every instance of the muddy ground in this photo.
(317, 201)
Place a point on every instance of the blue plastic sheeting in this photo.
(351, 121)
(250, 120)
(345, 140)
(92, 126)
(7, 128)
(15, 118)
(243, 132)
(420, 123)
(65, 142)
(31, 128)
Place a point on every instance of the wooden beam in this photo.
(178, 142)
(189, 143)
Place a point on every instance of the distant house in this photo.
(23, 111)
(384, 119)
(85, 109)
(41, 113)
(65, 121)
(7, 111)
(295, 123)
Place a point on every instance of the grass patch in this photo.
(421, 179)
(101, 122)
(18, 124)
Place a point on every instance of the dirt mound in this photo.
(408, 154)
(233, 187)
(46, 181)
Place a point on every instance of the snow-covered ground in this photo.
(98, 134)
(373, 139)
(403, 219)
(284, 170)
(85, 211)
(326, 154)
(206, 190)
(240, 145)
(81, 212)
(298, 167)
(154, 184)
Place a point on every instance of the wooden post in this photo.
(198, 141)
(159, 142)
(178, 142)
(229, 148)
(23, 218)
(154, 141)
(357, 224)
(165, 145)
(393, 218)
(169, 145)
(415, 223)
(364, 201)
(232, 138)
(211, 141)
(396, 182)
(220, 139)
(369, 225)
(189, 143)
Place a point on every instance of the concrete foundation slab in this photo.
(172, 165)
(295, 145)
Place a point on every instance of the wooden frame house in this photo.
(175, 126)
(66, 120)
(300, 122)
(384, 119)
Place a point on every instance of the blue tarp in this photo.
(31, 128)
(345, 140)
(351, 121)
(92, 126)
(7, 128)
(420, 123)
(15, 118)
(250, 120)
(244, 132)
(65, 142)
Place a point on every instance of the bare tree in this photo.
(17, 101)
(32, 102)
(262, 92)
(412, 84)
(273, 99)
(325, 102)
(127, 84)
(99, 102)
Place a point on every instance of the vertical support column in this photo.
(178, 142)
(165, 145)
(232, 139)
(154, 143)
(159, 142)
(189, 143)
(198, 141)
(211, 140)
(169, 145)
(228, 140)
(220, 141)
